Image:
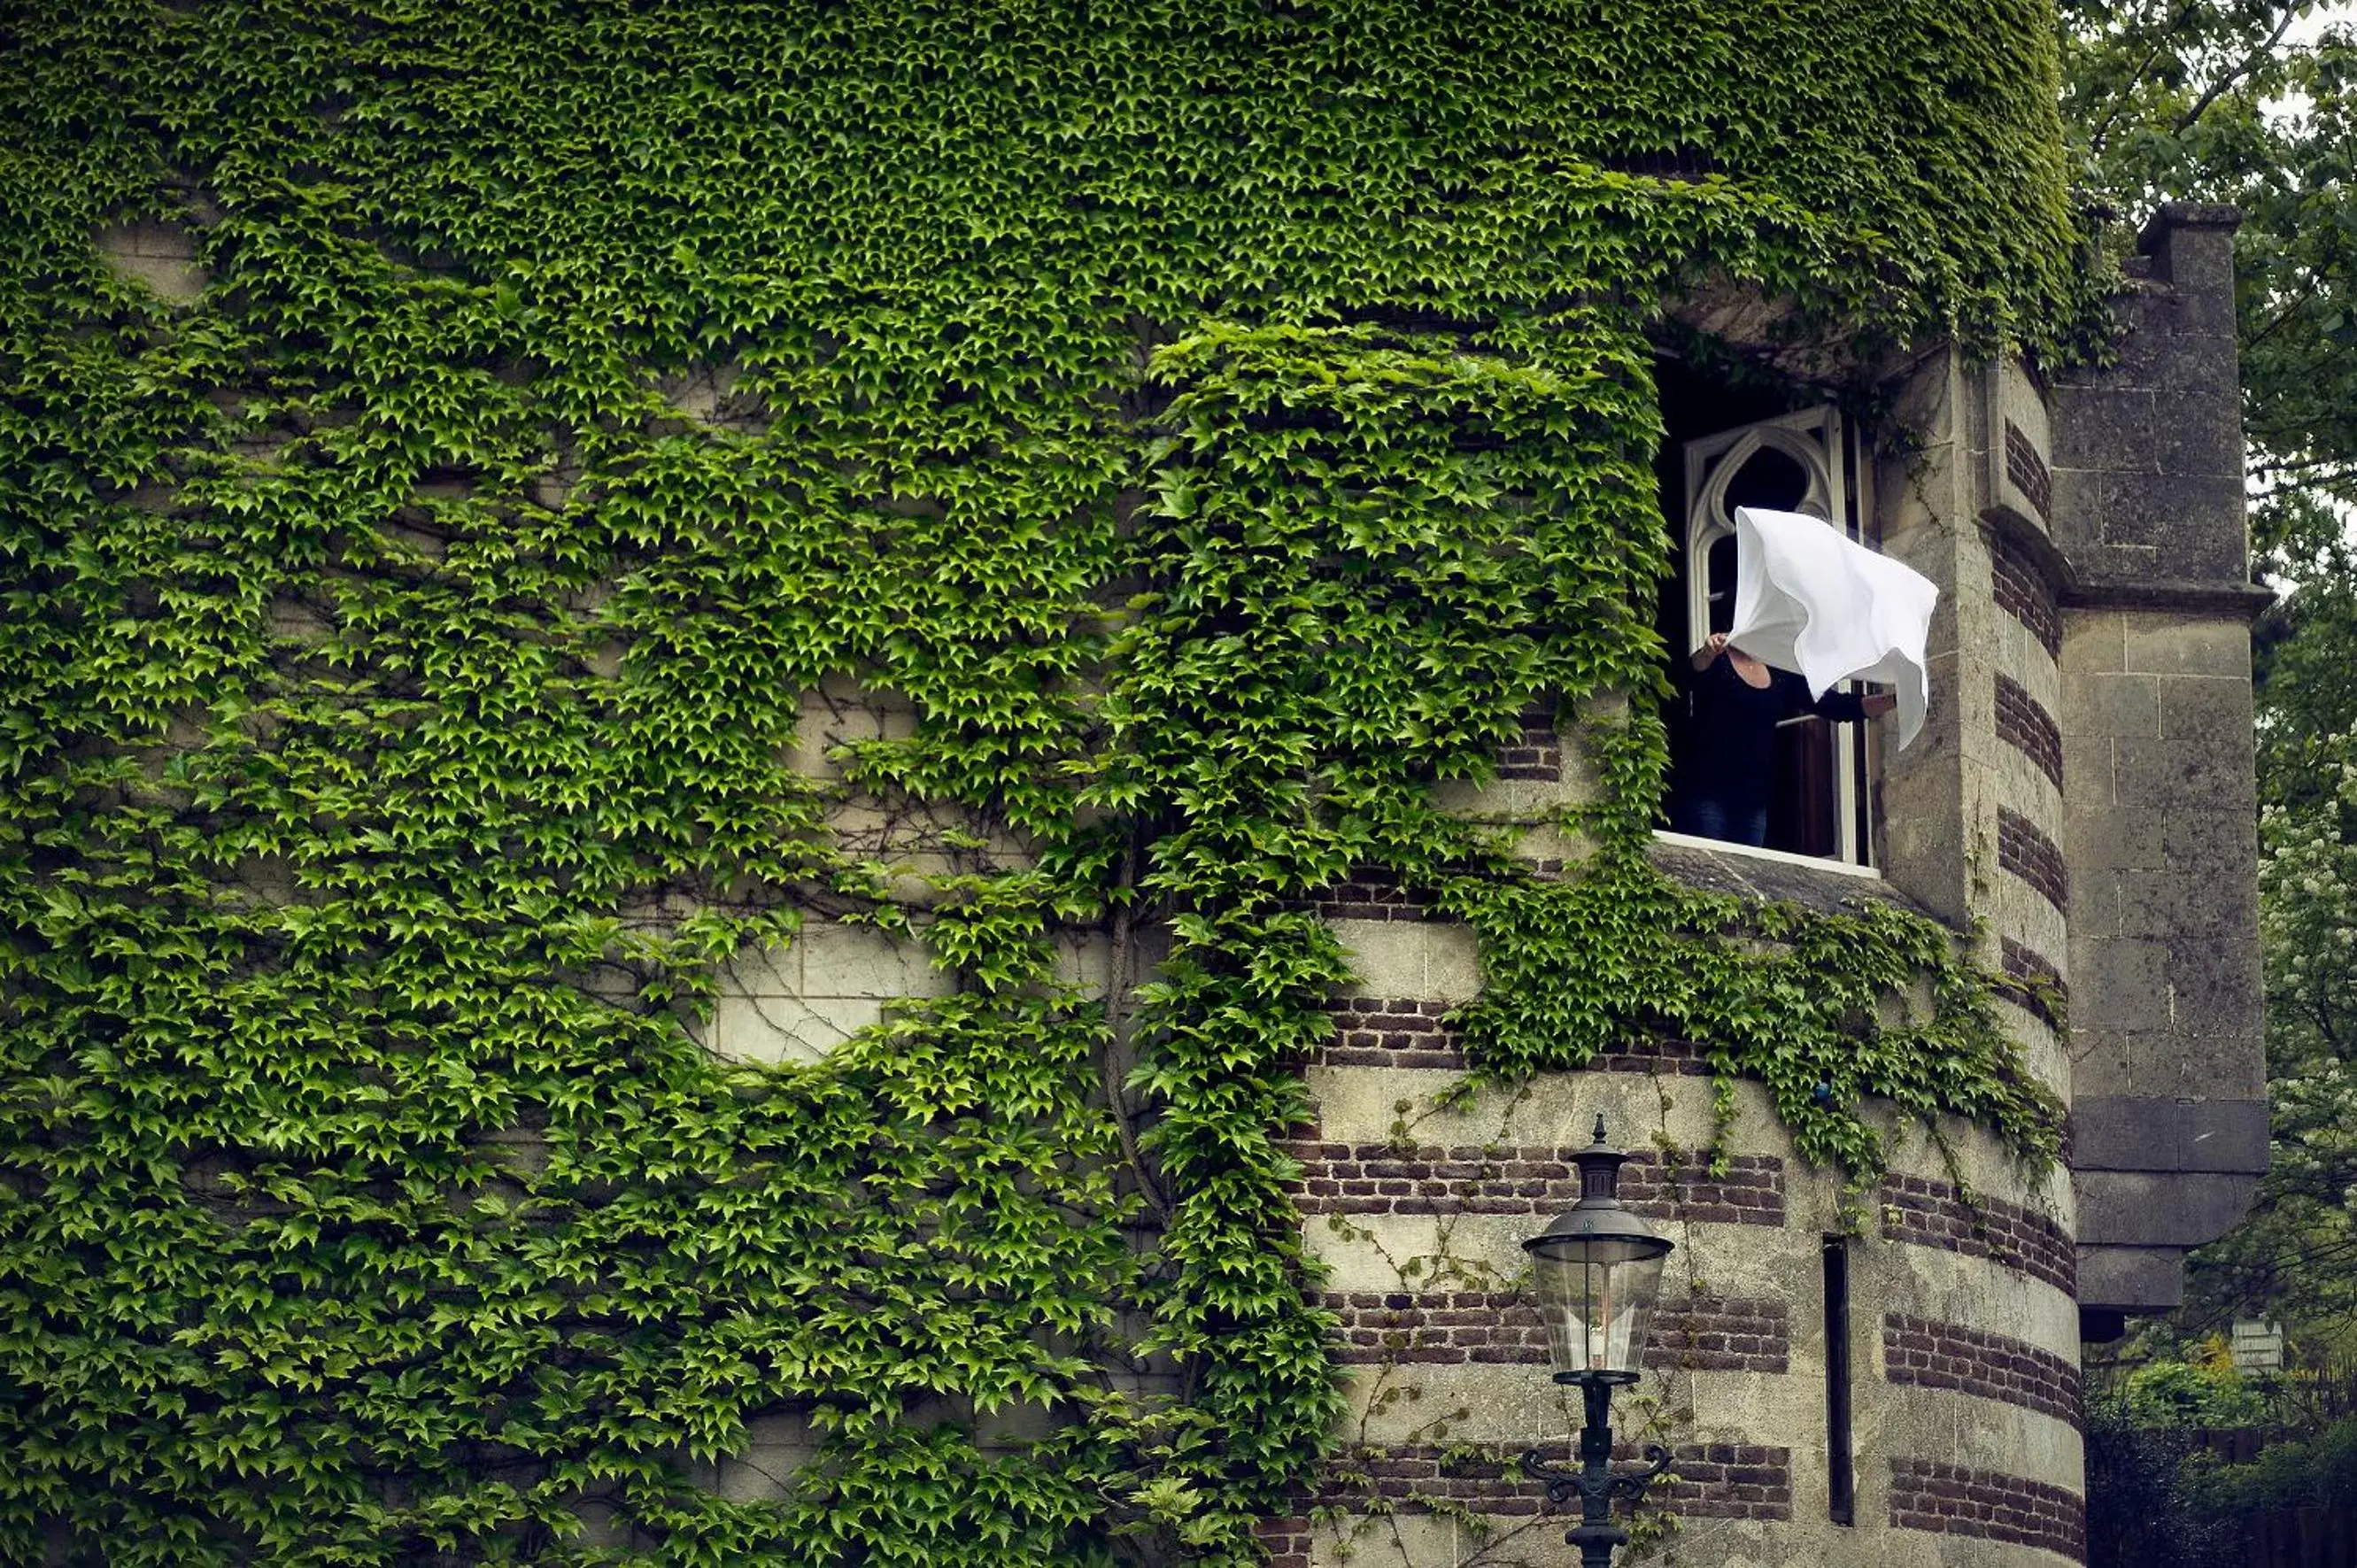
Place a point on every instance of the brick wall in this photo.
(1988, 1505)
(1400, 1032)
(1389, 1031)
(1714, 1480)
(1368, 895)
(2023, 722)
(1538, 753)
(2029, 855)
(2022, 963)
(1929, 1214)
(2028, 470)
(2022, 593)
(1934, 1355)
(1713, 1334)
(1287, 1540)
(1536, 1179)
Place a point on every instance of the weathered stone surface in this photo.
(2168, 1115)
(2226, 838)
(2131, 1279)
(1427, 960)
(2133, 1133)
(2153, 775)
(2126, 980)
(2097, 838)
(2166, 904)
(2215, 988)
(2176, 1208)
(2112, 706)
(2110, 429)
(161, 255)
(2199, 436)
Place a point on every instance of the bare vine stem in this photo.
(1120, 985)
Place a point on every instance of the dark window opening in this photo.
(1841, 1501)
(1769, 477)
(1802, 788)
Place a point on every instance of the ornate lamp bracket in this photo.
(1594, 1482)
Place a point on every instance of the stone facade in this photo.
(2081, 797)
(2167, 1075)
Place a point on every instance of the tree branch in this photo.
(2251, 61)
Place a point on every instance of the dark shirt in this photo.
(1728, 751)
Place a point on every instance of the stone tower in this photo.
(1907, 1393)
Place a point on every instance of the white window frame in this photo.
(1830, 454)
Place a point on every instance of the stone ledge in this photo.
(1827, 887)
(2242, 601)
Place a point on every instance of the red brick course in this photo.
(1536, 1180)
(1539, 754)
(2022, 593)
(1286, 1542)
(1399, 1032)
(1931, 1213)
(1949, 1499)
(2028, 470)
(1714, 1480)
(2028, 853)
(2022, 963)
(1929, 1354)
(1713, 1334)
(1368, 894)
(2023, 722)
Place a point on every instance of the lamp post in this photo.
(1599, 1268)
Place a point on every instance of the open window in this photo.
(1728, 449)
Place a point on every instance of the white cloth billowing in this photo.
(1809, 599)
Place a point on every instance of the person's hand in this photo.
(1874, 705)
(1712, 646)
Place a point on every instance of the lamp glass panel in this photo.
(1598, 1300)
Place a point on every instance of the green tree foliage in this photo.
(2254, 103)
(1216, 423)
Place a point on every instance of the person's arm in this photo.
(1850, 707)
(1842, 707)
(1712, 646)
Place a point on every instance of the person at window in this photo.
(1726, 769)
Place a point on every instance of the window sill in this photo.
(1771, 876)
(1780, 856)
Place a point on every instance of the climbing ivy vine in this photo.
(1216, 422)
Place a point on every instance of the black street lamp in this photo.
(1599, 1268)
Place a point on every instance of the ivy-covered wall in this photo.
(1216, 421)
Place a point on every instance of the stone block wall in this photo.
(2167, 1070)
(161, 255)
(1962, 1332)
(1972, 813)
(1418, 1214)
(2082, 795)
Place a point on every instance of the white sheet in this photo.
(1809, 599)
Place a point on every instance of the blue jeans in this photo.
(1712, 819)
